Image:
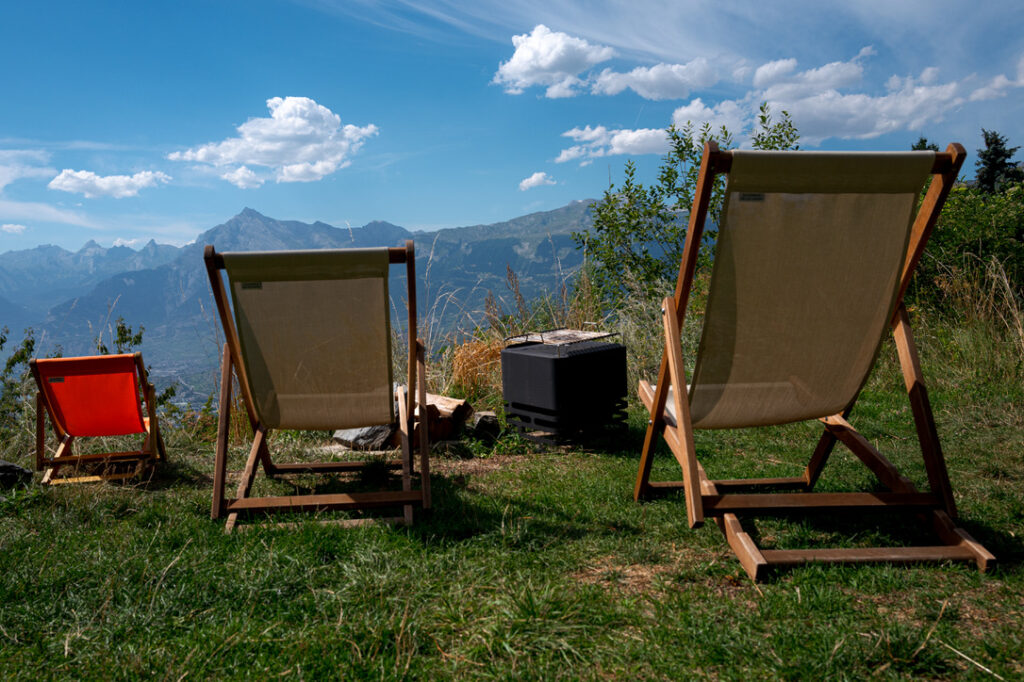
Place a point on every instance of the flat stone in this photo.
(486, 426)
(12, 474)
(366, 437)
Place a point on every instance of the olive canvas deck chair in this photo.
(309, 340)
(90, 397)
(814, 254)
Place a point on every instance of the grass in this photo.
(537, 563)
(533, 564)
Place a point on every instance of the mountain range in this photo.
(71, 299)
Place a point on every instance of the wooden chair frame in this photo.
(259, 453)
(719, 499)
(151, 450)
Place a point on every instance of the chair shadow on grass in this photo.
(458, 513)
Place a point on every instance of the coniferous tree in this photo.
(995, 163)
(923, 144)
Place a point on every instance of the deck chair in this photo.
(95, 396)
(309, 341)
(814, 253)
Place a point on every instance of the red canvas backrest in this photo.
(93, 396)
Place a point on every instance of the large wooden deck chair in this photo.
(814, 253)
(310, 344)
(89, 397)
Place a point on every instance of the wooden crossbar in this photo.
(332, 467)
(893, 555)
(753, 503)
(325, 502)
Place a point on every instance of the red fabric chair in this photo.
(95, 396)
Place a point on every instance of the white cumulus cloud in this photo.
(735, 115)
(824, 103)
(661, 81)
(302, 141)
(243, 178)
(12, 228)
(595, 142)
(766, 74)
(536, 180)
(821, 110)
(549, 58)
(117, 186)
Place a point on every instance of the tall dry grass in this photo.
(981, 291)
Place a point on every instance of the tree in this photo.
(923, 145)
(125, 340)
(639, 232)
(995, 163)
(13, 378)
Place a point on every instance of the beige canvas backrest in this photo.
(805, 275)
(315, 335)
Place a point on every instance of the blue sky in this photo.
(127, 121)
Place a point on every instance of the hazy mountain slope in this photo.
(39, 278)
(172, 299)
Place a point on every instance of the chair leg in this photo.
(421, 382)
(223, 429)
(404, 426)
(40, 431)
(62, 450)
(924, 420)
(245, 485)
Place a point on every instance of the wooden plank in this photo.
(646, 393)
(896, 555)
(920, 406)
(412, 331)
(712, 162)
(421, 353)
(753, 503)
(882, 468)
(153, 445)
(785, 482)
(928, 214)
(333, 467)
(325, 502)
(98, 456)
(214, 264)
(952, 534)
(40, 432)
(223, 434)
(404, 424)
(60, 480)
(684, 430)
(750, 556)
(249, 473)
(819, 458)
(62, 453)
(245, 484)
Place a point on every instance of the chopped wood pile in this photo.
(447, 418)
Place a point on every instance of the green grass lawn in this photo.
(533, 564)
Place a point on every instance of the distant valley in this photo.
(71, 298)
